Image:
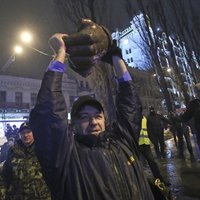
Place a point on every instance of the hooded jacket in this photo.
(88, 167)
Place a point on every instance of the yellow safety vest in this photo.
(144, 139)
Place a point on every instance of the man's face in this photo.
(26, 137)
(90, 121)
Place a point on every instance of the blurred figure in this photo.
(155, 126)
(15, 132)
(5, 147)
(8, 131)
(193, 111)
(186, 134)
(171, 131)
(21, 177)
(181, 130)
(145, 149)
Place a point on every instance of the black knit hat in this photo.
(81, 102)
(23, 126)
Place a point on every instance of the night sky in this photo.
(42, 19)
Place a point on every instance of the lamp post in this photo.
(26, 38)
(17, 50)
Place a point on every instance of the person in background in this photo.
(5, 147)
(155, 126)
(15, 132)
(145, 149)
(146, 153)
(182, 131)
(193, 112)
(8, 131)
(21, 177)
(88, 161)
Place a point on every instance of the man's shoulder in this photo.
(195, 102)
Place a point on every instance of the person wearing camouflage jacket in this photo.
(21, 177)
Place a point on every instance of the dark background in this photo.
(42, 19)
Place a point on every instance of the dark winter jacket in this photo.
(155, 125)
(87, 167)
(193, 111)
(21, 178)
(4, 151)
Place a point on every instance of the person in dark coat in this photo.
(15, 132)
(88, 161)
(181, 130)
(155, 126)
(193, 112)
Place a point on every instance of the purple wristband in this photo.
(126, 77)
(57, 66)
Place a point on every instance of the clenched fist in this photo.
(87, 46)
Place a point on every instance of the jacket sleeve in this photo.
(188, 114)
(48, 122)
(5, 176)
(129, 112)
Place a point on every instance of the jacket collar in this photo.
(93, 140)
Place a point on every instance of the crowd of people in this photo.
(49, 160)
(11, 131)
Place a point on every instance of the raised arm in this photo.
(128, 104)
(48, 119)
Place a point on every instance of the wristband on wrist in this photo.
(56, 66)
(126, 77)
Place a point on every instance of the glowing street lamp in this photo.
(169, 69)
(18, 49)
(26, 37)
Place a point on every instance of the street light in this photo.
(16, 50)
(26, 38)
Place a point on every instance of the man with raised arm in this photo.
(88, 162)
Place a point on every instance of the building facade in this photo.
(18, 96)
(133, 43)
(147, 90)
(133, 47)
